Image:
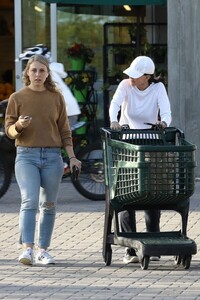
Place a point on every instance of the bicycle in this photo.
(90, 182)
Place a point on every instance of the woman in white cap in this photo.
(140, 99)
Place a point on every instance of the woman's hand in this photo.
(161, 124)
(22, 122)
(75, 162)
(115, 126)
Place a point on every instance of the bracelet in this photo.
(72, 157)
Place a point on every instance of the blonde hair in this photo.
(49, 83)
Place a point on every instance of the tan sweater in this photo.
(49, 126)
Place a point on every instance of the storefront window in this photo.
(35, 23)
(84, 25)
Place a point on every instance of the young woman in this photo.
(141, 98)
(36, 118)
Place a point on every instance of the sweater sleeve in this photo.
(11, 118)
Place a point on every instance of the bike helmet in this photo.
(37, 49)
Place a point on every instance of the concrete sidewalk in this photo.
(80, 272)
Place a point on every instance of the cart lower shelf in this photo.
(153, 244)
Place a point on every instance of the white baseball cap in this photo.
(140, 65)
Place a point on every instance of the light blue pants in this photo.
(38, 173)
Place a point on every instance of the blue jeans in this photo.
(38, 174)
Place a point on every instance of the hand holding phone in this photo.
(75, 173)
(27, 118)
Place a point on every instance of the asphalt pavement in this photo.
(80, 272)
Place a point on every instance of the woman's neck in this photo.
(37, 88)
(143, 86)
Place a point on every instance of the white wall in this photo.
(184, 68)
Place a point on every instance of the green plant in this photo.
(115, 75)
(136, 31)
(79, 80)
(80, 51)
(123, 54)
(127, 51)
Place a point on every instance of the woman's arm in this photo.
(115, 104)
(164, 105)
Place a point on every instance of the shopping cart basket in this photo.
(148, 169)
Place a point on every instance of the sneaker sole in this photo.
(43, 263)
(25, 261)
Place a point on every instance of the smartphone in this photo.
(27, 118)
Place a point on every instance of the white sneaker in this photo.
(26, 257)
(44, 258)
(130, 258)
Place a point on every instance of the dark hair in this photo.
(49, 83)
(157, 79)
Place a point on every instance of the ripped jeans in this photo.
(38, 173)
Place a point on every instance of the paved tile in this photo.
(80, 272)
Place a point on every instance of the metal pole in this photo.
(18, 43)
(53, 22)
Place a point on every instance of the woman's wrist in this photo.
(18, 127)
(72, 157)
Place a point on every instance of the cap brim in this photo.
(132, 73)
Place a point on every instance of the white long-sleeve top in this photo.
(139, 107)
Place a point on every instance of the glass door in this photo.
(32, 27)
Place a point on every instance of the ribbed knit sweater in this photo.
(49, 125)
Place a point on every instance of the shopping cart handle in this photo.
(154, 126)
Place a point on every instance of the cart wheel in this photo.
(186, 261)
(108, 255)
(177, 260)
(145, 262)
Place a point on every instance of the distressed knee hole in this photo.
(48, 205)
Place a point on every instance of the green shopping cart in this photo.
(148, 169)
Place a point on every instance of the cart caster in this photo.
(186, 261)
(145, 263)
(108, 255)
(177, 260)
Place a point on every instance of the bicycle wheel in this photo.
(5, 175)
(90, 182)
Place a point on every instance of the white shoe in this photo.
(130, 258)
(44, 258)
(26, 257)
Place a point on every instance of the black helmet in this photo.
(37, 49)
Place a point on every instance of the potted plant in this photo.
(123, 54)
(79, 82)
(137, 33)
(114, 76)
(79, 55)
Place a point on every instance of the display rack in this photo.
(82, 87)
